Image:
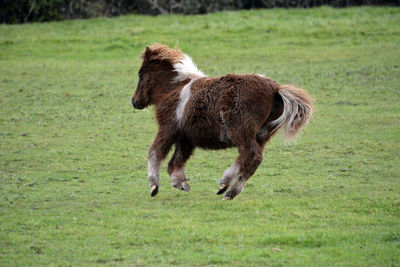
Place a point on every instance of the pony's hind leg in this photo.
(176, 166)
(250, 157)
(242, 169)
(157, 153)
(229, 177)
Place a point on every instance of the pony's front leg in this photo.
(157, 153)
(176, 166)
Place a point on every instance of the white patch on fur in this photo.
(232, 174)
(153, 165)
(186, 69)
(183, 99)
(178, 172)
(177, 175)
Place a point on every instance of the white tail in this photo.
(297, 110)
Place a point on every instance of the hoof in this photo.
(185, 187)
(182, 186)
(222, 188)
(153, 190)
(231, 194)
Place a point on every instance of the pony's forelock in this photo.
(162, 52)
(182, 63)
(187, 69)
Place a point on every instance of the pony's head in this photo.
(162, 69)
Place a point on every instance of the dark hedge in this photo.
(21, 11)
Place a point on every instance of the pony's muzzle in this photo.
(136, 104)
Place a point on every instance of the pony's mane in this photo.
(162, 52)
(182, 63)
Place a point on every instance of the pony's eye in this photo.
(140, 76)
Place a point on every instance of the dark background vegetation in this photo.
(22, 11)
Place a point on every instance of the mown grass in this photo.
(73, 152)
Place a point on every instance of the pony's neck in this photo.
(162, 92)
(182, 72)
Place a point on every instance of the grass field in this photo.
(73, 153)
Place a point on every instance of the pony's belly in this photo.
(209, 138)
(214, 145)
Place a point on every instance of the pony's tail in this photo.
(297, 110)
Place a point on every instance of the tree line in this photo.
(22, 11)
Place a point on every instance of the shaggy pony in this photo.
(194, 110)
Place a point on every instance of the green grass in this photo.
(73, 153)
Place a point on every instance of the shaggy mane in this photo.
(182, 63)
(162, 52)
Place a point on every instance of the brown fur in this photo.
(232, 110)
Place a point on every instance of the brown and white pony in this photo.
(194, 110)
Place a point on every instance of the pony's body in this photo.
(212, 114)
(242, 110)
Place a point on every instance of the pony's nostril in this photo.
(134, 104)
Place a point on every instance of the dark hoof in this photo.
(153, 190)
(222, 188)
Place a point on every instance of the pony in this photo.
(194, 110)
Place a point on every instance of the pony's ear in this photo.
(176, 47)
(147, 53)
